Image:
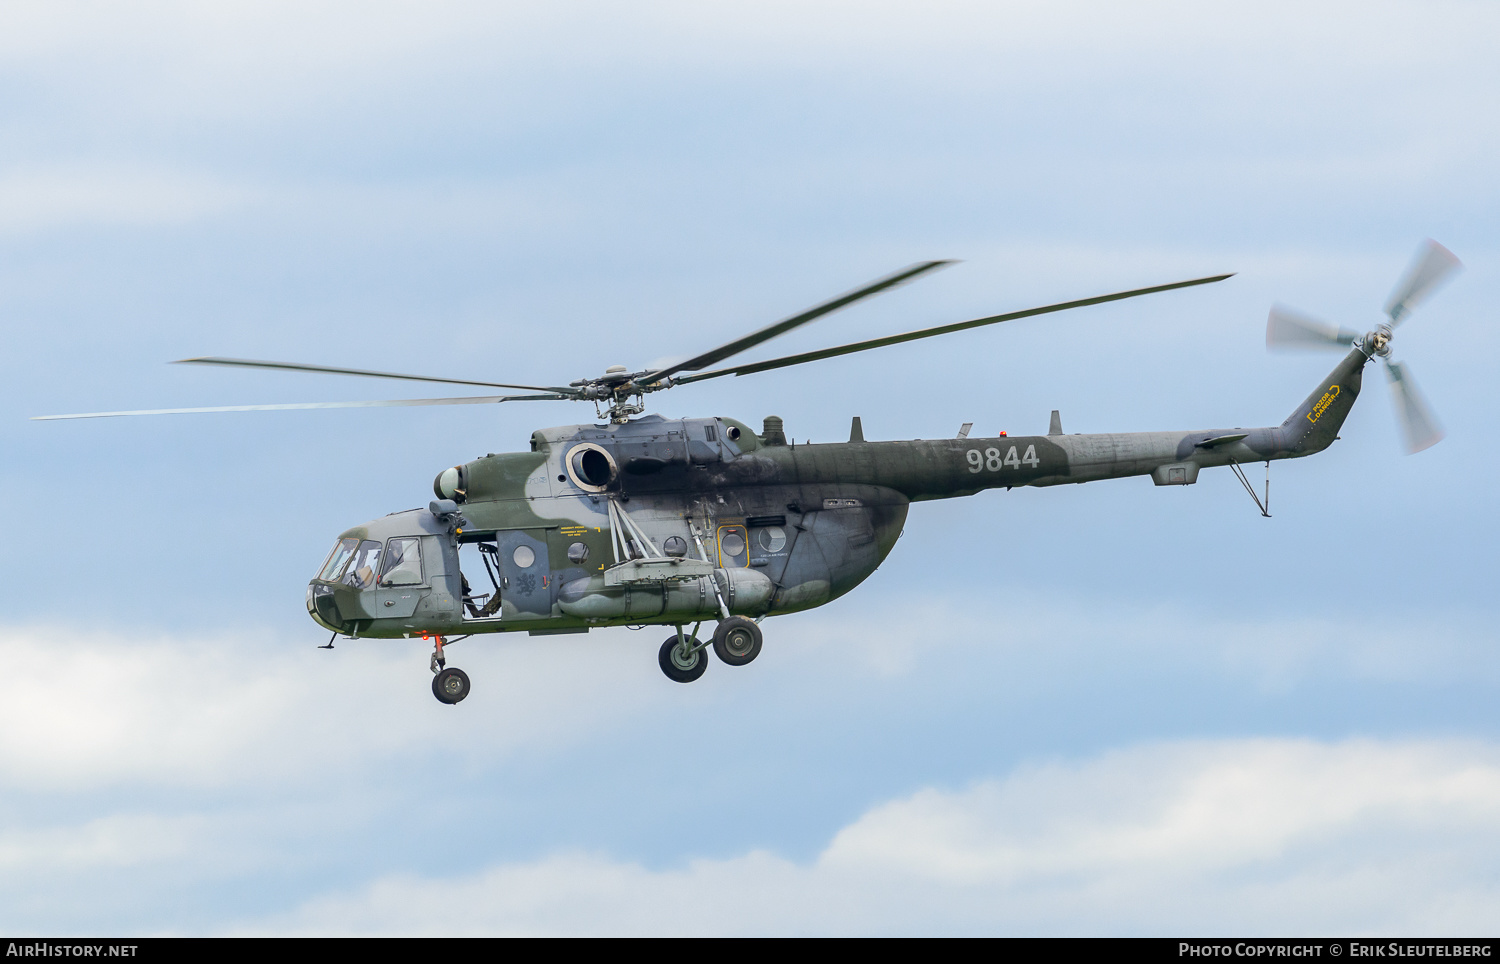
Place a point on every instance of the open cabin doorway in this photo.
(505, 574)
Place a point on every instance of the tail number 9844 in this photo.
(990, 460)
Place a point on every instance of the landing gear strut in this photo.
(682, 657)
(449, 684)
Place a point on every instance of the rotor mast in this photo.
(612, 393)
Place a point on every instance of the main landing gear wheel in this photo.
(451, 685)
(680, 668)
(737, 640)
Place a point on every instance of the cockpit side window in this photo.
(334, 567)
(403, 563)
(363, 566)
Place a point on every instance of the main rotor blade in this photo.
(781, 327)
(1418, 425)
(941, 330)
(325, 369)
(294, 406)
(1286, 328)
(1430, 267)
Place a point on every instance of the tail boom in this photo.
(927, 469)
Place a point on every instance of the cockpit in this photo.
(360, 563)
(383, 572)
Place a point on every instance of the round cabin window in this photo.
(523, 557)
(732, 544)
(578, 553)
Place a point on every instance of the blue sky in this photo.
(1109, 709)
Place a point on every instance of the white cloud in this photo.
(1245, 836)
(127, 840)
(39, 199)
(237, 711)
(280, 58)
(180, 764)
(223, 46)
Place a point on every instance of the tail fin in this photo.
(1315, 423)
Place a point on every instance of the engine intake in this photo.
(591, 467)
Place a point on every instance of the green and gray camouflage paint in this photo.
(655, 520)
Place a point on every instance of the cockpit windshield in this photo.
(353, 563)
(337, 559)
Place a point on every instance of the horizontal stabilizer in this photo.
(1216, 441)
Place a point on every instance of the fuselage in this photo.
(671, 521)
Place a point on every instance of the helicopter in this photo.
(641, 520)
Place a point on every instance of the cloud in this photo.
(143, 776)
(280, 59)
(1235, 836)
(61, 197)
(96, 711)
(99, 710)
(130, 840)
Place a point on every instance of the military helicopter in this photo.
(643, 520)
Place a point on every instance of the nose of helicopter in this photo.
(323, 608)
(322, 604)
(375, 574)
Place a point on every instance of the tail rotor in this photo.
(1433, 265)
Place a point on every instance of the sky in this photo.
(1108, 709)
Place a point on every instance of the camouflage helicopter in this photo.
(644, 520)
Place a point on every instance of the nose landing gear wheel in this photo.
(451, 685)
(737, 640)
(682, 668)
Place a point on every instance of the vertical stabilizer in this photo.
(1315, 423)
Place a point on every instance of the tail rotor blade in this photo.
(1432, 265)
(1418, 425)
(1286, 328)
